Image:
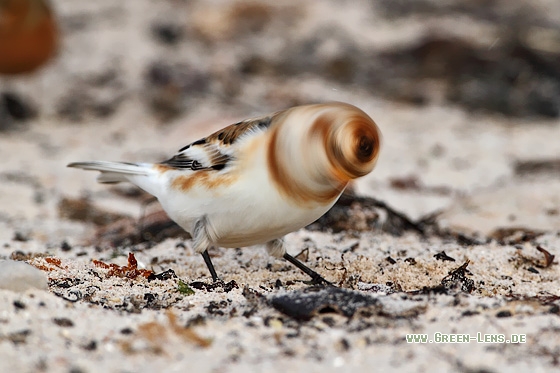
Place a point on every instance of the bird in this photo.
(255, 181)
(28, 35)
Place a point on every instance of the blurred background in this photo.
(486, 55)
(466, 93)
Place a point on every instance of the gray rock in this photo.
(20, 276)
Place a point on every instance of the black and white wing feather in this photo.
(215, 151)
(199, 156)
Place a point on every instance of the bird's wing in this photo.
(214, 152)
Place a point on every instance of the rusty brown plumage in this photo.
(208, 179)
(162, 168)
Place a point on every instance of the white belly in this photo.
(243, 214)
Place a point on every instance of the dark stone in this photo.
(505, 313)
(63, 322)
(168, 34)
(304, 304)
(16, 107)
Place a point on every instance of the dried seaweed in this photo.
(455, 280)
(152, 228)
(515, 235)
(219, 285)
(344, 217)
(443, 257)
(84, 210)
(537, 167)
(355, 213)
(522, 260)
(51, 263)
(130, 271)
(548, 257)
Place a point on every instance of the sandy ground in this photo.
(137, 80)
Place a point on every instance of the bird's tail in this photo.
(114, 172)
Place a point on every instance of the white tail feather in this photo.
(113, 172)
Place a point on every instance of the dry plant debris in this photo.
(130, 271)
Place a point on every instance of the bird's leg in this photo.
(276, 248)
(201, 243)
(317, 278)
(210, 266)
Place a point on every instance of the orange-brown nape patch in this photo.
(321, 127)
(294, 189)
(161, 168)
(208, 179)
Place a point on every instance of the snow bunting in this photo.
(255, 181)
